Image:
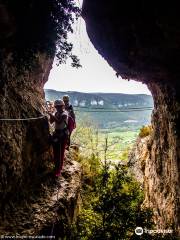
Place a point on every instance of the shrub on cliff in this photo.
(145, 131)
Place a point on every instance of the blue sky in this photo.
(95, 75)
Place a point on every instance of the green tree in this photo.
(112, 199)
(115, 209)
(42, 27)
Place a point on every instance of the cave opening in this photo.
(141, 45)
(109, 112)
(114, 106)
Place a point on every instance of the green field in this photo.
(119, 135)
(114, 143)
(119, 142)
(95, 123)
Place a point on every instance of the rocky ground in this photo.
(56, 201)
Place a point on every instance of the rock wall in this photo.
(138, 157)
(161, 172)
(140, 40)
(154, 159)
(24, 145)
(32, 201)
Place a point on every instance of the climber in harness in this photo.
(60, 135)
(71, 117)
(50, 106)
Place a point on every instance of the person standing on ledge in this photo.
(60, 135)
(71, 117)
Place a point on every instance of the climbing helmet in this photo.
(66, 98)
(59, 102)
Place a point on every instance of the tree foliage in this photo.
(42, 27)
(112, 199)
(115, 208)
(145, 131)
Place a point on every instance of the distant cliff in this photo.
(105, 100)
(115, 102)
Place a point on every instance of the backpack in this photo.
(71, 123)
(71, 120)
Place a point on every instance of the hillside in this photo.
(85, 102)
(108, 101)
(104, 100)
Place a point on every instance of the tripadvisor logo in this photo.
(139, 231)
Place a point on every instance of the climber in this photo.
(60, 135)
(71, 117)
(50, 106)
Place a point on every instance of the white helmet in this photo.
(65, 98)
(59, 103)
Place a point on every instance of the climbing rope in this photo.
(116, 111)
(22, 119)
(30, 118)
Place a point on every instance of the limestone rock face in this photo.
(32, 202)
(24, 145)
(140, 40)
(161, 174)
(24, 148)
(146, 169)
(138, 157)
